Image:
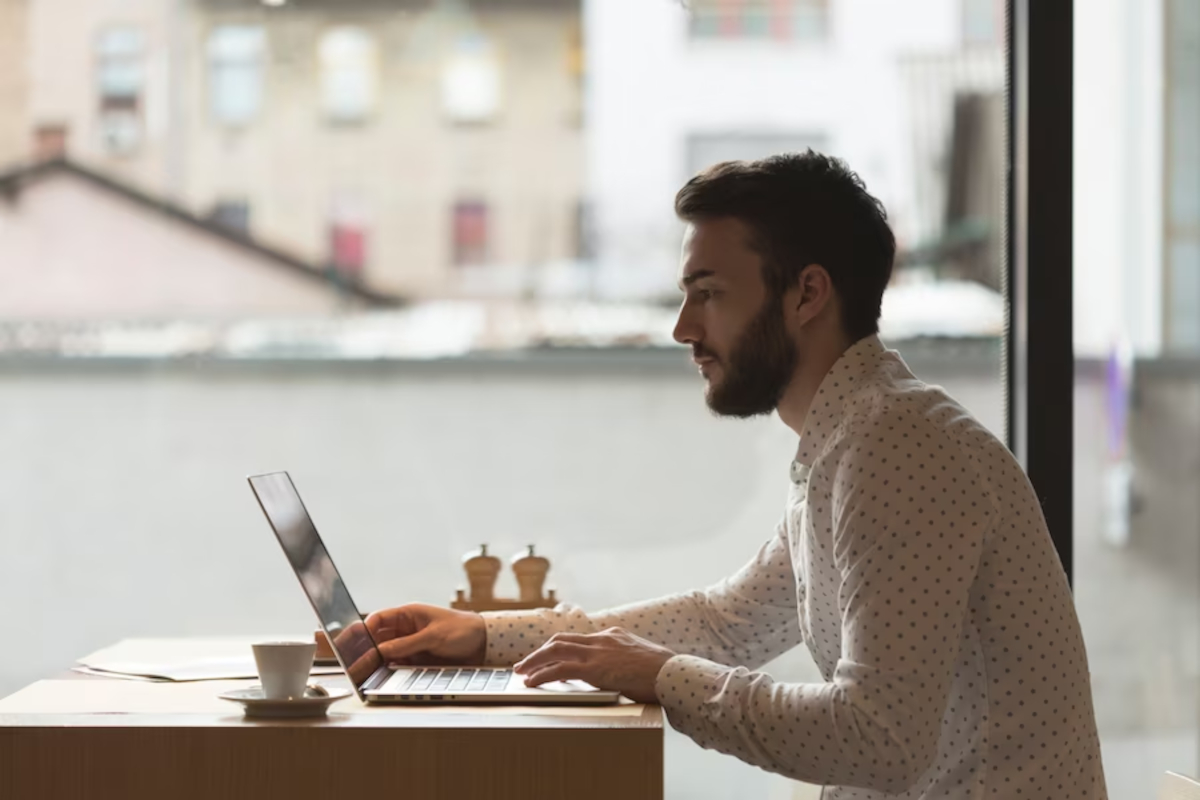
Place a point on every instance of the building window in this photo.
(780, 20)
(121, 79)
(471, 81)
(983, 22)
(348, 236)
(232, 215)
(235, 73)
(349, 59)
(470, 232)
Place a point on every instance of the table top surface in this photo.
(76, 700)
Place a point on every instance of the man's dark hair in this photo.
(804, 208)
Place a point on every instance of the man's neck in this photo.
(811, 371)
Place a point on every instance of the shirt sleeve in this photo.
(907, 544)
(746, 619)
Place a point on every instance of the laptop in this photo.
(357, 651)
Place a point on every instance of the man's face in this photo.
(733, 324)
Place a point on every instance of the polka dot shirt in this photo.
(914, 562)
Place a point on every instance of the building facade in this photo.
(14, 80)
(405, 144)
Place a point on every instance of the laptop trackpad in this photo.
(568, 686)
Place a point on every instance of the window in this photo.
(348, 236)
(349, 59)
(782, 20)
(471, 81)
(233, 215)
(120, 78)
(235, 73)
(49, 141)
(983, 22)
(470, 232)
(1181, 195)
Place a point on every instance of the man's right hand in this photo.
(421, 634)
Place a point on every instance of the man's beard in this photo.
(758, 369)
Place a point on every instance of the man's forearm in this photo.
(719, 628)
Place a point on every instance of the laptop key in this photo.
(461, 680)
(479, 682)
(499, 679)
(426, 680)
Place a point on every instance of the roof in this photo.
(12, 181)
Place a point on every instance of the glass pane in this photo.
(236, 91)
(1137, 389)
(125, 41)
(471, 80)
(349, 73)
(448, 333)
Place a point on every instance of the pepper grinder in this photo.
(482, 571)
(530, 570)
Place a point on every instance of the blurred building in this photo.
(673, 91)
(103, 250)
(404, 144)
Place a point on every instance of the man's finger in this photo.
(550, 652)
(392, 620)
(573, 638)
(560, 671)
(405, 646)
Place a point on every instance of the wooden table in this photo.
(113, 738)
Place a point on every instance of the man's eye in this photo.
(705, 294)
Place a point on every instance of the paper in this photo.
(184, 659)
(142, 697)
(202, 669)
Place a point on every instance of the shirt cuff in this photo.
(512, 635)
(684, 685)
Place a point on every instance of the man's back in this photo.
(910, 501)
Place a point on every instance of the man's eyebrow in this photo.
(699, 274)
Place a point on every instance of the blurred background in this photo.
(422, 254)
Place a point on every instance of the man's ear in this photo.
(811, 293)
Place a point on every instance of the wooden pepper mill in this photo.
(483, 570)
(530, 570)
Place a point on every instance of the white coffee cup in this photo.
(283, 667)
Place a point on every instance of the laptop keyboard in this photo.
(442, 680)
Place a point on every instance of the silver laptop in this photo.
(356, 650)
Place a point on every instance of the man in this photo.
(913, 559)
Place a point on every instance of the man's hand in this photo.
(614, 659)
(420, 634)
(354, 642)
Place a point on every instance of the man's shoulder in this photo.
(906, 415)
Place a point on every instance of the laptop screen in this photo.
(348, 634)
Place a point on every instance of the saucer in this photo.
(314, 703)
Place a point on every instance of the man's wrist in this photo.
(664, 675)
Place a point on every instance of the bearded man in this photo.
(912, 558)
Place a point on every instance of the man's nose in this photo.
(686, 330)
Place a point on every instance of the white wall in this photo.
(650, 87)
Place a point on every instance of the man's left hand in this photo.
(613, 659)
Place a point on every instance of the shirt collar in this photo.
(859, 361)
